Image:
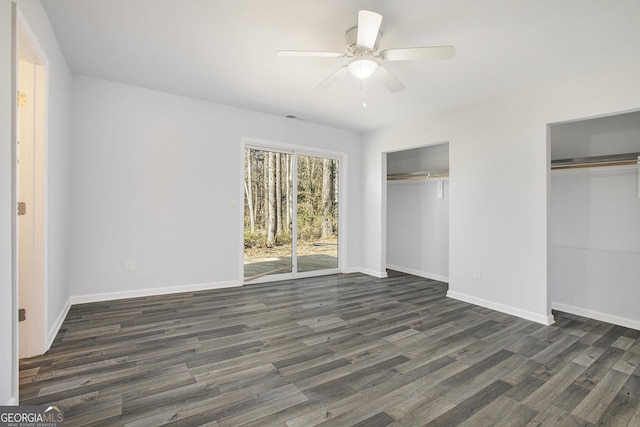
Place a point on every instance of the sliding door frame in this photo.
(295, 151)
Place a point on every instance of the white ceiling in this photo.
(225, 50)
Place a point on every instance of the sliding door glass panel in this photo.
(268, 210)
(317, 213)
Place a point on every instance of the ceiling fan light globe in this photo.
(363, 68)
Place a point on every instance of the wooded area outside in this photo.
(268, 215)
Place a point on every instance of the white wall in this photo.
(594, 267)
(499, 168)
(421, 159)
(616, 134)
(58, 147)
(418, 228)
(8, 364)
(157, 180)
(594, 260)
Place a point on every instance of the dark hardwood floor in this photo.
(346, 350)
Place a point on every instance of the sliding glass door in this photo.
(289, 197)
(317, 213)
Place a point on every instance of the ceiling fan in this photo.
(366, 61)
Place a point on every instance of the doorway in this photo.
(594, 217)
(291, 214)
(30, 191)
(417, 223)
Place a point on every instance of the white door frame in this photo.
(15, 371)
(295, 150)
(31, 74)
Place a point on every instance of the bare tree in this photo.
(265, 191)
(256, 184)
(327, 200)
(278, 161)
(248, 187)
(288, 203)
(271, 200)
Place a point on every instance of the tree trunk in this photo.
(279, 228)
(248, 187)
(327, 228)
(309, 196)
(271, 200)
(265, 190)
(288, 203)
(255, 187)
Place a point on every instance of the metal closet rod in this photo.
(417, 175)
(597, 161)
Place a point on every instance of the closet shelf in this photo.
(597, 161)
(417, 175)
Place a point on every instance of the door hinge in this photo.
(22, 208)
(22, 314)
(22, 99)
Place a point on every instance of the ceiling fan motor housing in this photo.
(352, 45)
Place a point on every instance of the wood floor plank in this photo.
(461, 412)
(596, 402)
(550, 390)
(341, 350)
(504, 411)
(620, 411)
(553, 416)
(635, 420)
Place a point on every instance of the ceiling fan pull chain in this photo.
(364, 93)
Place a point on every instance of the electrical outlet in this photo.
(477, 275)
(128, 265)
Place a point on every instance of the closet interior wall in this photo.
(594, 221)
(418, 212)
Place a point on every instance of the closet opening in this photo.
(417, 238)
(594, 218)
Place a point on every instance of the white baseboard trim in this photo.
(591, 314)
(109, 296)
(378, 274)
(12, 402)
(529, 315)
(289, 276)
(55, 328)
(351, 270)
(419, 273)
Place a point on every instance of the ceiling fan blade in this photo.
(320, 54)
(368, 27)
(332, 78)
(417, 53)
(389, 80)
